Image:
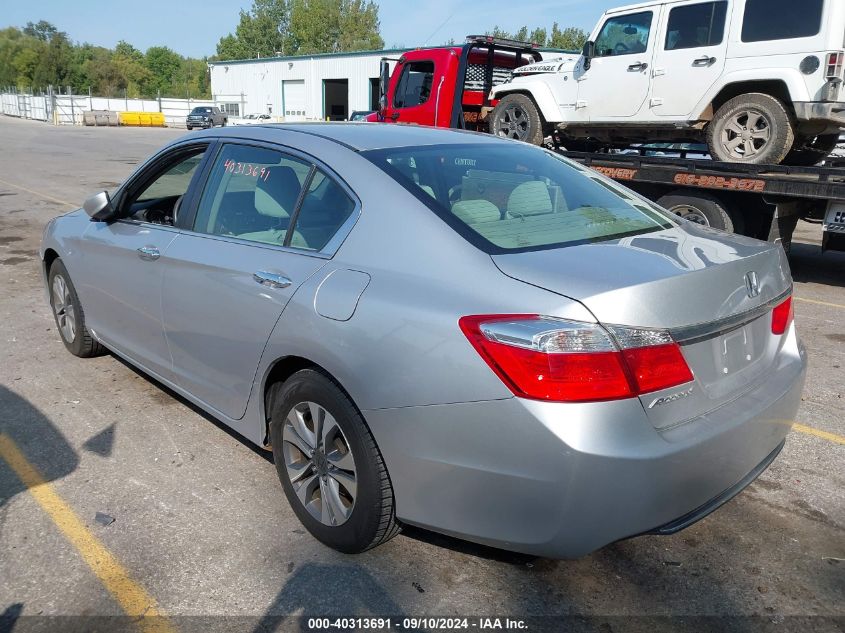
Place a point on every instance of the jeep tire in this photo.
(517, 117)
(753, 129)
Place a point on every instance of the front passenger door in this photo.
(229, 279)
(123, 260)
(617, 83)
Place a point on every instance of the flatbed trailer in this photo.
(762, 201)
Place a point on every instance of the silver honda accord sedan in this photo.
(441, 329)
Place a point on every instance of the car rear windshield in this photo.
(514, 197)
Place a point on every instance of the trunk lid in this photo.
(697, 283)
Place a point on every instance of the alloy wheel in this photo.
(63, 308)
(513, 123)
(746, 134)
(319, 463)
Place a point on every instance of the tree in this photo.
(163, 65)
(43, 30)
(570, 39)
(538, 37)
(329, 26)
(261, 32)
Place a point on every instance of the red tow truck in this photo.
(450, 87)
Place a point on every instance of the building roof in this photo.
(382, 53)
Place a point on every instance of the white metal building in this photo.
(312, 87)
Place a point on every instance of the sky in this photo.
(193, 27)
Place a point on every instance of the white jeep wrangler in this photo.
(760, 80)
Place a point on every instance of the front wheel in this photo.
(331, 470)
(516, 116)
(70, 318)
(752, 128)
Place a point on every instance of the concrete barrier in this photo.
(143, 119)
(100, 117)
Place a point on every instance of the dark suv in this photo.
(206, 117)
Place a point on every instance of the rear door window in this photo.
(512, 198)
(414, 87)
(766, 20)
(696, 25)
(252, 193)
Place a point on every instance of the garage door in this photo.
(293, 99)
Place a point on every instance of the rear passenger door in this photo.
(229, 278)
(690, 58)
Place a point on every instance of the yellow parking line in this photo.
(39, 194)
(831, 437)
(133, 599)
(821, 303)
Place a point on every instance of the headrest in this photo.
(476, 211)
(530, 198)
(277, 192)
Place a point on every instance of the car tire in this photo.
(700, 208)
(69, 315)
(753, 129)
(812, 151)
(516, 116)
(190, 127)
(359, 512)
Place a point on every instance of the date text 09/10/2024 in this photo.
(413, 624)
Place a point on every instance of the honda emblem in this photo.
(752, 285)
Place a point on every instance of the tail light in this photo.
(544, 358)
(834, 64)
(782, 317)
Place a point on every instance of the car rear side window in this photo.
(766, 20)
(256, 194)
(252, 193)
(510, 198)
(696, 25)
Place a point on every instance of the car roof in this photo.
(363, 136)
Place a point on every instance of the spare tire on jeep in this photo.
(753, 128)
(516, 116)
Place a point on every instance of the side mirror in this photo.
(383, 84)
(588, 52)
(99, 207)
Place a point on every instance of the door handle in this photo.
(704, 61)
(271, 280)
(637, 67)
(149, 253)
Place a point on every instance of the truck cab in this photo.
(759, 80)
(449, 87)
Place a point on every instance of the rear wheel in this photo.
(70, 318)
(699, 208)
(812, 151)
(330, 467)
(753, 128)
(517, 117)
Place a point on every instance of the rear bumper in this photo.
(561, 480)
(682, 523)
(830, 114)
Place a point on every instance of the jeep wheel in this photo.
(517, 117)
(812, 151)
(753, 128)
